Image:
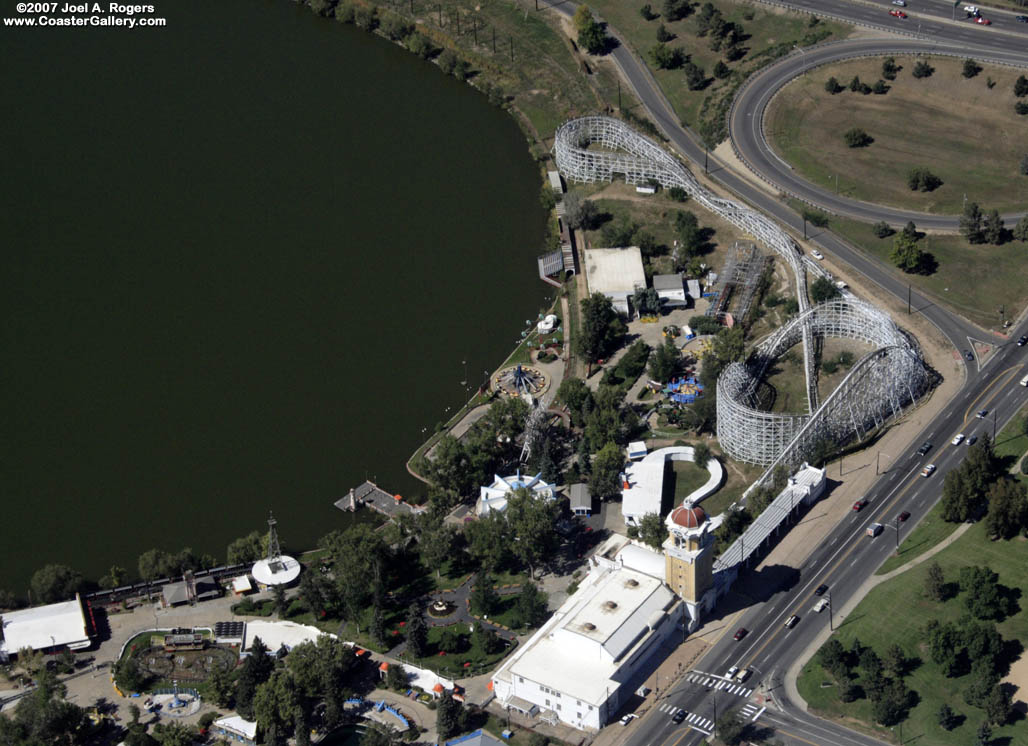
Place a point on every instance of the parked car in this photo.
(902, 517)
(897, 13)
(928, 470)
(628, 718)
(841, 285)
(821, 589)
(957, 439)
(901, 3)
(817, 254)
(741, 633)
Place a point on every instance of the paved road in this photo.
(746, 125)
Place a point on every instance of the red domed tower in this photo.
(689, 559)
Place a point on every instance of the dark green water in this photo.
(244, 258)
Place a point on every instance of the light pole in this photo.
(897, 534)
(831, 618)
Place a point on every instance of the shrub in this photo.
(855, 137)
(880, 88)
(704, 325)
(970, 68)
(647, 12)
(882, 229)
(923, 179)
(678, 194)
(1021, 108)
(923, 70)
(832, 85)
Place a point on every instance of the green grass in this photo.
(787, 378)
(770, 33)
(929, 532)
(918, 123)
(966, 279)
(1012, 443)
(688, 478)
(896, 612)
(453, 664)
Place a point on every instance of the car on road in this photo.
(732, 672)
(1021, 19)
(982, 413)
(901, 3)
(791, 621)
(925, 447)
(928, 470)
(859, 505)
(741, 633)
(902, 517)
(968, 355)
(1022, 339)
(982, 21)
(817, 254)
(743, 675)
(678, 717)
(972, 9)
(821, 589)
(972, 440)
(821, 605)
(897, 13)
(957, 439)
(628, 718)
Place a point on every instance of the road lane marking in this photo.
(975, 403)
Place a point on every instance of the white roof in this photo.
(615, 271)
(583, 646)
(646, 483)
(494, 496)
(45, 626)
(276, 634)
(241, 584)
(636, 448)
(235, 723)
(267, 572)
(643, 559)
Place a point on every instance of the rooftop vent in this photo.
(632, 583)
(610, 605)
(588, 626)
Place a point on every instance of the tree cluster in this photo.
(978, 227)
(601, 329)
(921, 179)
(724, 35)
(859, 671)
(591, 35)
(965, 489)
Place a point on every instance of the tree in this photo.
(359, 554)
(731, 728)
(276, 706)
(1021, 107)
(970, 68)
(721, 70)
(417, 632)
(895, 661)
(971, 226)
(690, 236)
(534, 522)
(676, 10)
(435, 545)
(130, 675)
(220, 687)
(531, 605)
(889, 68)
(701, 455)
(998, 704)
(663, 35)
(947, 719)
(245, 549)
(922, 69)
(114, 578)
(44, 717)
(647, 13)
(882, 229)
(906, 254)
(832, 86)
(581, 213)
(1008, 509)
(984, 735)
(891, 705)
(173, 734)
(992, 228)
(855, 84)
(646, 302)
(665, 57)
(256, 670)
(488, 540)
(652, 531)
(602, 328)
(695, 77)
(449, 717)
(420, 45)
(396, 677)
(604, 481)
(923, 179)
(983, 596)
(855, 137)
(591, 35)
(53, 583)
(935, 583)
(377, 735)
(879, 88)
(1020, 231)
(451, 640)
(1021, 86)
(823, 289)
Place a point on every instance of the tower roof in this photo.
(688, 517)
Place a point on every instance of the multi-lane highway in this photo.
(847, 557)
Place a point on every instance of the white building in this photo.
(42, 627)
(669, 287)
(643, 483)
(495, 495)
(236, 730)
(617, 273)
(585, 662)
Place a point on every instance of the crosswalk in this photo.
(719, 684)
(702, 724)
(751, 712)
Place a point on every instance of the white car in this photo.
(817, 254)
(928, 470)
(841, 285)
(628, 718)
(957, 439)
(972, 9)
(821, 605)
(732, 672)
(901, 3)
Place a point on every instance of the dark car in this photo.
(859, 505)
(678, 717)
(1022, 340)
(821, 589)
(1021, 19)
(968, 355)
(925, 447)
(741, 633)
(972, 440)
(982, 413)
(904, 516)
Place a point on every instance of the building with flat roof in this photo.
(60, 625)
(580, 500)
(617, 273)
(670, 287)
(643, 482)
(582, 665)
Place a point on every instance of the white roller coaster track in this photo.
(874, 390)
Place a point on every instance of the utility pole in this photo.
(619, 94)
(494, 40)
(804, 227)
(713, 728)
(831, 612)
(878, 462)
(440, 15)
(897, 533)
(512, 49)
